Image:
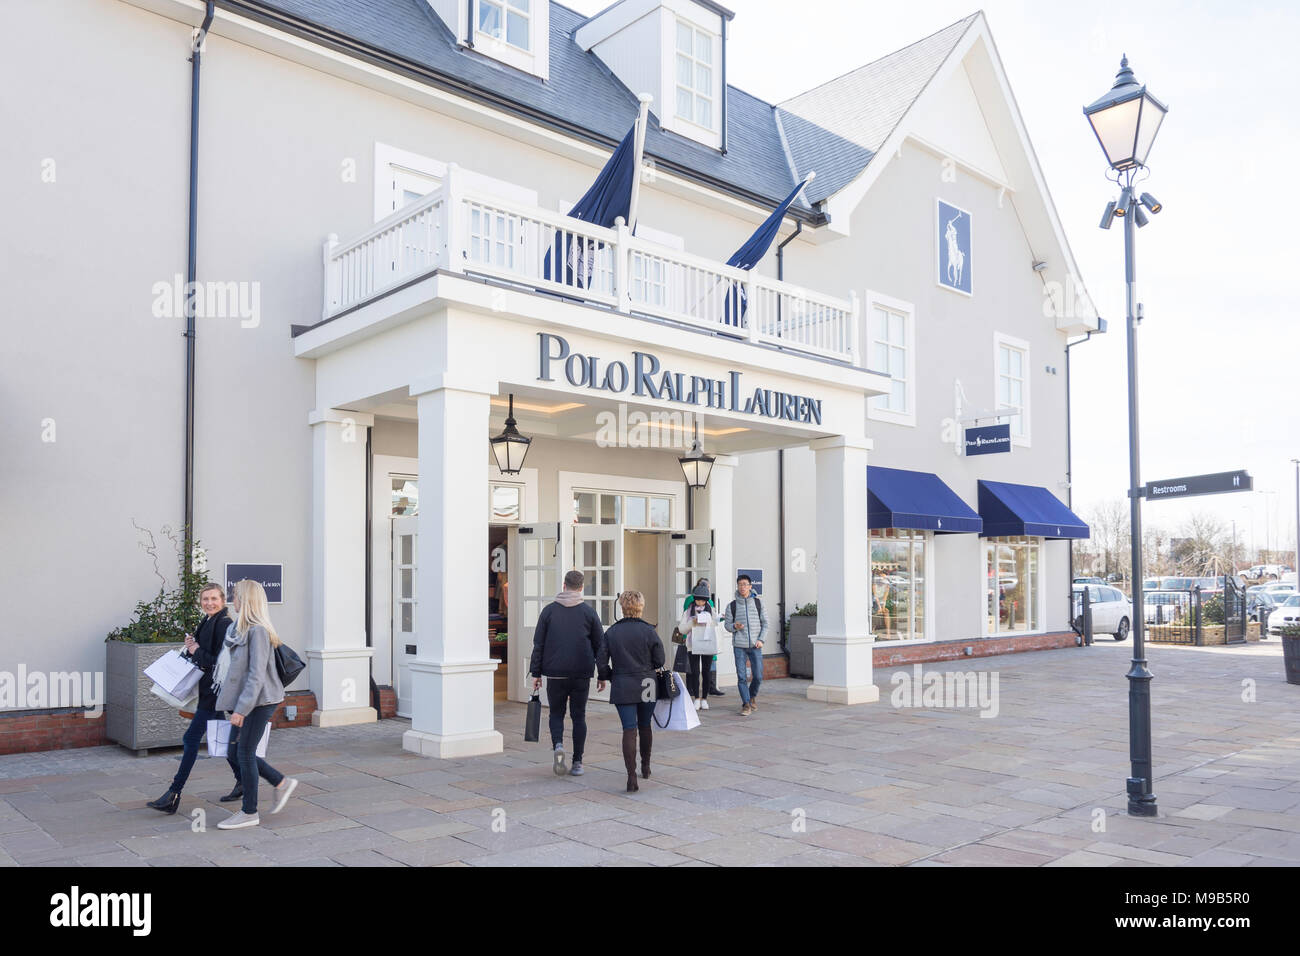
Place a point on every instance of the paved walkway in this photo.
(796, 784)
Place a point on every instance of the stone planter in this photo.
(1291, 658)
(134, 717)
(799, 644)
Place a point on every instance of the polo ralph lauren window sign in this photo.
(954, 245)
(989, 440)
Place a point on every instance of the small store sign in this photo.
(755, 577)
(989, 440)
(955, 266)
(270, 576)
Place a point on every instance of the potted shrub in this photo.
(802, 626)
(135, 717)
(1291, 652)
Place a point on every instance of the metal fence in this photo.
(1187, 617)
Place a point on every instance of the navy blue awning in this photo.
(918, 500)
(1009, 509)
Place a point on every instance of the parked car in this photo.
(1112, 612)
(1161, 607)
(1259, 606)
(1151, 584)
(1287, 613)
(1279, 589)
(1089, 581)
(1170, 583)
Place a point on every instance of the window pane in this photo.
(684, 103)
(607, 555)
(505, 503)
(704, 112)
(897, 363)
(589, 554)
(1017, 360)
(703, 47)
(880, 357)
(636, 513)
(685, 41)
(406, 496)
(609, 509)
(520, 5)
(660, 512)
(489, 18)
(408, 621)
(703, 80)
(586, 507)
(407, 549)
(1004, 360)
(896, 329)
(517, 30)
(683, 70)
(898, 397)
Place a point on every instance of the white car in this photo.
(1287, 613)
(1162, 607)
(1112, 612)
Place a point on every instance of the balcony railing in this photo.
(457, 229)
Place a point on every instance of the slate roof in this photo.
(837, 127)
(834, 129)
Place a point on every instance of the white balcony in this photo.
(456, 229)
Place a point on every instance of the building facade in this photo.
(385, 271)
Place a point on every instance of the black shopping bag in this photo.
(682, 660)
(533, 721)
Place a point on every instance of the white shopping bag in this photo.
(677, 713)
(219, 738)
(186, 704)
(175, 674)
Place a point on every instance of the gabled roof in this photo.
(581, 95)
(837, 127)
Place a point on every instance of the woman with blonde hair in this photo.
(629, 654)
(248, 685)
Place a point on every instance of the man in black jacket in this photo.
(204, 647)
(564, 652)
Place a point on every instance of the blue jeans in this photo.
(754, 657)
(245, 740)
(193, 735)
(636, 715)
(573, 692)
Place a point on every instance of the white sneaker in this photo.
(238, 821)
(704, 703)
(282, 792)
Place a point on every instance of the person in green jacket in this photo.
(692, 684)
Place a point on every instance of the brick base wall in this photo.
(882, 655)
(304, 700)
(387, 702)
(775, 665)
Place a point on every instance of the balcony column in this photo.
(452, 697)
(842, 644)
(714, 511)
(338, 661)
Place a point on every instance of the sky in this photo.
(1219, 380)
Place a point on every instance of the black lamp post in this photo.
(510, 447)
(1125, 122)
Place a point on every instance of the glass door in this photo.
(535, 575)
(598, 554)
(404, 558)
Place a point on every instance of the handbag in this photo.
(682, 660)
(287, 664)
(665, 685)
(669, 714)
(533, 719)
(678, 636)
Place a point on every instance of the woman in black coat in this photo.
(629, 654)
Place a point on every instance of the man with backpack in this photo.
(746, 622)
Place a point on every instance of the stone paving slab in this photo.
(797, 784)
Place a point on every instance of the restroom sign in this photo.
(1216, 484)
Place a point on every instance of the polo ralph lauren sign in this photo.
(646, 377)
(955, 266)
(989, 440)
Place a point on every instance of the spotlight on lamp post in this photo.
(509, 448)
(1125, 122)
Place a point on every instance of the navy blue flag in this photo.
(609, 197)
(752, 252)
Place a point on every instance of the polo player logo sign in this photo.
(954, 247)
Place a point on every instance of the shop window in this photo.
(1012, 584)
(898, 584)
(406, 495)
(631, 511)
(1012, 358)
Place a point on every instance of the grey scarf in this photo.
(233, 639)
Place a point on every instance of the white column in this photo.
(715, 505)
(842, 644)
(338, 660)
(452, 706)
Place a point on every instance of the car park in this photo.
(1287, 613)
(1112, 612)
(1259, 606)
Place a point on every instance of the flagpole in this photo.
(646, 99)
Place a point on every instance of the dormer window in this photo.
(507, 20)
(694, 75)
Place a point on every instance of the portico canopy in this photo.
(1009, 509)
(918, 500)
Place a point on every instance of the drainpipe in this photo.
(780, 465)
(195, 56)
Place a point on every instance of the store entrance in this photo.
(498, 594)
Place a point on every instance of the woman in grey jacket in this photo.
(248, 685)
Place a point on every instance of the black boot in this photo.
(233, 795)
(647, 738)
(629, 758)
(167, 803)
(713, 685)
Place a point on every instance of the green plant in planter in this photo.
(806, 610)
(1212, 610)
(170, 614)
(1290, 630)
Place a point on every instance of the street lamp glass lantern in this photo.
(509, 448)
(1126, 120)
(696, 465)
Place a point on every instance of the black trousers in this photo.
(562, 691)
(700, 678)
